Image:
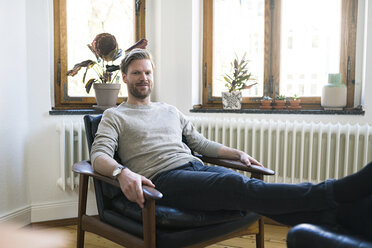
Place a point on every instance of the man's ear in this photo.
(124, 76)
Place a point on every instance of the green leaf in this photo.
(85, 74)
(227, 79)
(89, 84)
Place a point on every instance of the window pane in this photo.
(310, 45)
(86, 19)
(238, 28)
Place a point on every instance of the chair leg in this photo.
(83, 193)
(260, 238)
(149, 224)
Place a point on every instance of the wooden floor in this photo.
(274, 238)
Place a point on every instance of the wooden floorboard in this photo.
(275, 237)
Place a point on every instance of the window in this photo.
(292, 45)
(76, 23)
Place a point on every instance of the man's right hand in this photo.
(131, 185)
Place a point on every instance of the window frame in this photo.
(61, 98)
(272, 55)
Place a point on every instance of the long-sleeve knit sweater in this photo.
(149, 138)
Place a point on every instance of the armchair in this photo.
(123, 222)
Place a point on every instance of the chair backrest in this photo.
(91, 126)
(104, 192)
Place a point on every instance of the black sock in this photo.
(355, 186)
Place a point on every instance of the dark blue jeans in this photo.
(199, 187)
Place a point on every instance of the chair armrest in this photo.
(85, 168)
(235, 164)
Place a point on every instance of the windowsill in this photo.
(75, 112)
(284, 111)
(240, 111)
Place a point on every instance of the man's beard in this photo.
(137, 94)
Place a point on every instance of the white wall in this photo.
(14, 113)
(29, 144)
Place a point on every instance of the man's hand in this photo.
(131, 186)
(230, 153)
(248, 160)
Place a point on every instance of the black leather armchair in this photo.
(157, 226)
(316, 236)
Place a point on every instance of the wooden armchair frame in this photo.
(95, 225)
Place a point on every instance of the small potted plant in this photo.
(266, 102)
(236, 81)
(294, 102)
(280, 102)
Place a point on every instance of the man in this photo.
(148, 139)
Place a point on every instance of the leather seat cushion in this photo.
(172, 237)
(175, 218)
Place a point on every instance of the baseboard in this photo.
(54, 223)
(20, 216)
(59, 210)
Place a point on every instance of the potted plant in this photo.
(106, 86)
(236, 81)
(294, 102)
(266, 102)
(280, 102)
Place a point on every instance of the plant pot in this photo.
(106, 95)
(294, 104)
(266, 104)
(232, 100)
(280, 104)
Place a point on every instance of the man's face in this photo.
(139, 78)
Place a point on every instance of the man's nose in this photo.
(143, 76)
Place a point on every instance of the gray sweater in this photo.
(149, 138)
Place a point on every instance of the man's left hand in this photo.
(248, 160)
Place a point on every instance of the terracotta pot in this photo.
(294, 104)
(106, 95)
(266, 104)
(280, 104)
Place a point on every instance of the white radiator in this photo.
(73, 148)
(296, 151)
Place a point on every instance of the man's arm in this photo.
(130, 182)
(200, 144)
(230, 153)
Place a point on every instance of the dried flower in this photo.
(139, 44)
(105, 46)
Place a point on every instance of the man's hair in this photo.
(135, 54)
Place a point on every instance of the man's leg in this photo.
(324, 217)
(357, 216)
(200, 187)
(354, 216)
(354, 187)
